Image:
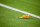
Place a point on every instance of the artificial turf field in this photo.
(8, 16)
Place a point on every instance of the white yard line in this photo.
(19, 10)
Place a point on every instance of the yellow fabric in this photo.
(24, 16)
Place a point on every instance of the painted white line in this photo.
(19, 10)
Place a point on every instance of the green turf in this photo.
(8, 19)
(31, 6)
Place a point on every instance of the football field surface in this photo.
(8, 16)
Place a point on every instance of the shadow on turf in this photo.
(24, 18)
